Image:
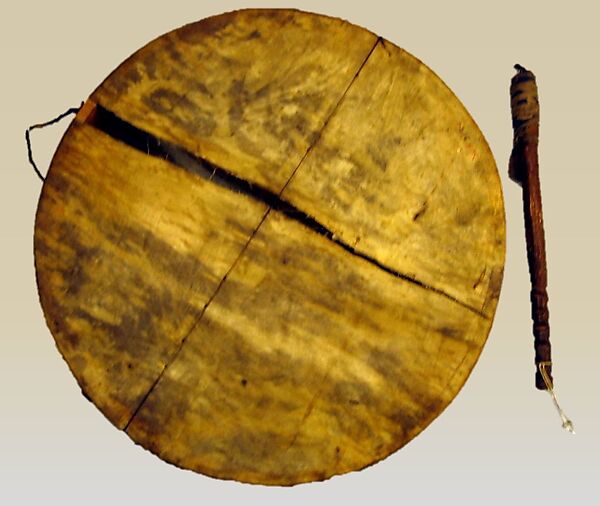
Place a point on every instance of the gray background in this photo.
(500, 440)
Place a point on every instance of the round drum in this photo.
(270, 246)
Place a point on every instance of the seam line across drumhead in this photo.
(245, 247)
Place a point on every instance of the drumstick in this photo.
(524, 170)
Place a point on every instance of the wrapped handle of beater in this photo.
(523, 169)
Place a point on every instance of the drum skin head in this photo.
(270, 247)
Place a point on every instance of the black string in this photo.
(72, 110)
